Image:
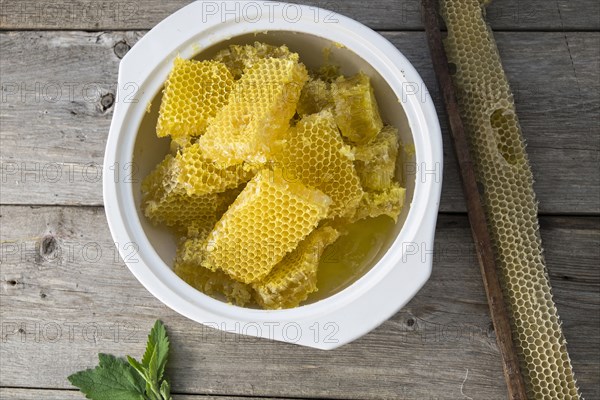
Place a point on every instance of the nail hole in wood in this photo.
(121, 48)
(107, 101)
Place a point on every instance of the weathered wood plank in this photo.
(379, 14)
(62, 305)
(56, 156)
(37, 394)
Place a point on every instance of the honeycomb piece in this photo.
(315, 97)
(214, 283)
(263, 102)
(327, 73)
(385, 202)
(199, 175)
(198, 229)
(166, 202)
(267, 221)
(194, 92)
(356, 110)
(503, 170)
(241, 58)
(295, 277)
(375, 161)
(188, 266)
(315, 153)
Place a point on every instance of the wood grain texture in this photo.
(64, 292)
(37, 394)
(53, 134)
(378, 14)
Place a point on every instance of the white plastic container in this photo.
(404, 264)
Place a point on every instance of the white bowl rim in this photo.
(367, 302)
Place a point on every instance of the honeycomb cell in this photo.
(315, 153)
(375, 161)
(263, 101)
(356, 109)
(502, 166)
(240, 58)
(295, 277)
(267, 220)
(194, 92)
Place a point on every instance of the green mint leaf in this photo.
(157, 341)
(153, 367)
(150, 393)
(112, 379)
(138, 367)
(165, 390)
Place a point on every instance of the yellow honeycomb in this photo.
(194, 92)
(246, 193)
(240, 58)
(375, 161)
(199, 175)
(503, 170)
(188, 266)
(295, 277)
(267, 221)
(327, 73)
(214, 283)
(388, 201)
(315, 97)
(356, 110)
(258, 113)
(315, 153)
(167, 203)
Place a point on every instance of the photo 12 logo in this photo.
(291, 332)
(69, 332)
(254, 11)
(35, 13)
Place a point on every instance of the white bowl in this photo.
(403, 265)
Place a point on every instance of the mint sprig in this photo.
(116, 379)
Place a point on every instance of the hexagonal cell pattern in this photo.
(194, 92)
(188, 266)
(295, 277)
(315, 153)
(258, 113)
(199, 175)
(267, 221)
(165, 200)
(239, 59)
(502, 167)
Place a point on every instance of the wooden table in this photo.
(66, 295)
